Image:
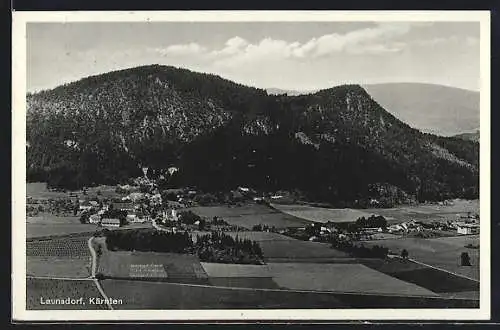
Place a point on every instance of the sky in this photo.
(298, 56)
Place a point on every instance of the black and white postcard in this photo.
(240, 165)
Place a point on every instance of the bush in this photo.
(374, 221)
(223, 248)
(189, 217)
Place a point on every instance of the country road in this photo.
(94, 270)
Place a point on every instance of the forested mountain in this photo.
(336, 145)
(430, 108)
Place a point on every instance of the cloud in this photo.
(445, 41)
(183, 49)
(378, 40)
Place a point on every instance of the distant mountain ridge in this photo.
(469, 136)
(430, 108)
(335, 145)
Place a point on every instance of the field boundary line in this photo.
(59, 278)
(284, 290)
(443, 270)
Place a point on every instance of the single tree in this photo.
(465, 258)
(404, 254)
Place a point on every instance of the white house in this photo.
(468, 229)
(85, 206)
(95, 218)
(395, 228)
(156, 199)
(110, 222)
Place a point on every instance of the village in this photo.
(185, 234)
(143, 204)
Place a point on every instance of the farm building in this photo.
(85, 206)
(395, 228)
(468, 229)
(136, 196)
(123, 206)
(94, 218)
(170, 215)
(110, 222)
(156, 199)
(372, 230)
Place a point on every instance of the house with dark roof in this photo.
(123, 206)
(110, 222)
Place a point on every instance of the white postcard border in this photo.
(20, 19)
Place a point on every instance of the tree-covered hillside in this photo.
(336, 145)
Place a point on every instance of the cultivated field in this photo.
(157, 295)
(441, 252)
(50, 225)
(154, 265)
(244, 282)
(250, 215)
(444, 283)
(430, 212)
(353, 278)
(319, 214)
(78, 267)
(59, 247)
(424, 212)
(45, 288)
(239, 276)
(40, 190)
(234, 270)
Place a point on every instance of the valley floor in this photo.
(65, 260)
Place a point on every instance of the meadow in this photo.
(277, 247)
(249, 215)
(50, 225)
(78, 267)
(350, 278)
(422, 212)
(39, 190)
(441, 282)
(320, 214)
(151, 265)
(161, 295)
(441, 252)
(242, 276)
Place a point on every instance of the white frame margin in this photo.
(19, 312)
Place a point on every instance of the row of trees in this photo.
(213, 247)
(360, 251)
(148, 240)
(373, 221)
